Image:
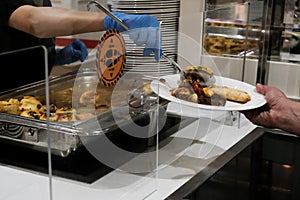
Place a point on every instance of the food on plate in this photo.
(199, 68)
(197, 85)
(185, 93)
(231, 94)
(193, 92)
(199, 73)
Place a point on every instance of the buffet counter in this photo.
(192, 166)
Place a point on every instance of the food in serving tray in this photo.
(31, 107)
(229, 23)
(11, 106)
(220, 45)
(68, 104)
(197, 85)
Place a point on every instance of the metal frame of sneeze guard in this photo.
(15, 132)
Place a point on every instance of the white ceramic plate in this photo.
(163, 90)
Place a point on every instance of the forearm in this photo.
(290, 119)
(47, 22)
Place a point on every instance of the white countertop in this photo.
(207, 140)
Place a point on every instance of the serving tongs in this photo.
(104, 9)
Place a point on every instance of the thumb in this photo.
(147, 51)
(261, 88)
(79, 54)
(76, 54)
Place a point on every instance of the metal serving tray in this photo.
(64, 136)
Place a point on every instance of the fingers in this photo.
(143, 30)
(76, 55)
(150, 37)
(71, 53)
(84, 54)
(147, 52)
(139, 36)
(157, 53)
(260, 88)
(79, 50)
(152, 43)
(147, 36)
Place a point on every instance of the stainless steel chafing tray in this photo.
(65, 90)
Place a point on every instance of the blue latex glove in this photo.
(143, 29)
(71, 53)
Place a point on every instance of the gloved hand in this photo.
(143, 29)
(71, 53)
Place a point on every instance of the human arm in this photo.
(279, 112)
(46, 22)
